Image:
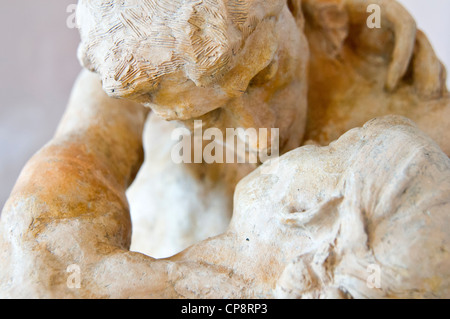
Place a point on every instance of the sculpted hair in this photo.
(138, 42)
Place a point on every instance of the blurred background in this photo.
(38, 66)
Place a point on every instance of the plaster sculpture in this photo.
(379, 195)
(313, 69)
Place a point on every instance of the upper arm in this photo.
(69, 204)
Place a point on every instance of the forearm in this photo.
(92, 159)
(109, 129)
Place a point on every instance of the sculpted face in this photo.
(228, 63)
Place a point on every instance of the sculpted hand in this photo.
(411, 47)
(375, 31)
(359, 71)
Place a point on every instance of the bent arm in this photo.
(69, 206)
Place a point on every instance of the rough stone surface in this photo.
(309, 224)
(355, 74)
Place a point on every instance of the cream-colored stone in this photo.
(311, 226)
(176, 205)
(355, 74)
(227, 63)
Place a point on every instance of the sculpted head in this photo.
(229, 63)
(363, 217)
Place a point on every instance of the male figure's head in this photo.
(366, 217)
(230, 63)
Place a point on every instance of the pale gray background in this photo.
(38, 66)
